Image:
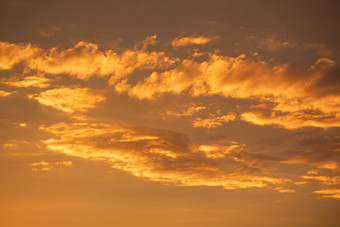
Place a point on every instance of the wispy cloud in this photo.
(329, 193)
(4, 93)
(158, 155)
(193, 40)
(213, 121)
(28, 81)
(69, 100)
(47, 166)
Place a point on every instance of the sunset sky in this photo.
(188, 113)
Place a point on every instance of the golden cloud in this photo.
(69, 100)
(11, 54)
(154, 154)
(28, 81)
(193, 40)
(329, 193)
(85, 60)
(327, 180)
(299, 98)
(192, 109)
(4, 93)
(213, 121)
(47, 166)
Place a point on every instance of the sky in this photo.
(170, 113)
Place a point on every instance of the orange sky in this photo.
(170, 113)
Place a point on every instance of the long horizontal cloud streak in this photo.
(193, 40)
(82, 61)
(299, 98)
(158, 155)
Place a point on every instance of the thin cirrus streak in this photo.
(193, 40)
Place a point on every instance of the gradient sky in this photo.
(170, 113)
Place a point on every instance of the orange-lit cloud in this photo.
(154, 154)
(329, 193)
(85, 60)
(191, 110)
(11, 54)
(69, 100)
(4, 93)
(293, 120)
(29, 81)
(213, 121)
(299, 98)
(193, 40)
(47, 166)
(327, 180)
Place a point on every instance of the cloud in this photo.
(193, 40)
(85, 60)
(329, 193)
(28, 81)
(293, 120)
(299, 97)
(4, 93)
(213, 121)
(272, 44)
(158, 155)
(11, 54)
(218, 151)
(50, 32)
(47, 166)
(191, 110)
(326, 180)
(69, 100)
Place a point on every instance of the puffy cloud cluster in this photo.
(11, 54)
